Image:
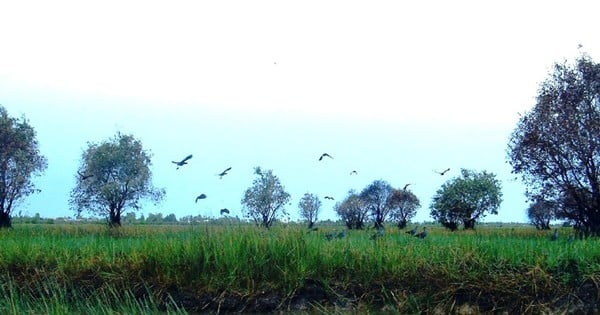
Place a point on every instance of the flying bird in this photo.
(223, 173)
(325, 155)
(354, 173)
(201, 196)
(182, 162)
(406, 186)
(443, 172)
(83, 176)
(224, 210)
(329, 197)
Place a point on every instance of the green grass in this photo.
(58, 269)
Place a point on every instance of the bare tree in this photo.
(310, 206)
(555, 146)
(119, 176)
(20, 159)
(264, 201)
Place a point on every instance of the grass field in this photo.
(58, 269)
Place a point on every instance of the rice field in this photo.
(180, 269)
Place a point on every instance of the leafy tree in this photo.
(375, 197)
(20, 159)
(467, 198)
(264, 201)
(403, 205)
(352, 210)
(540, 213)
(310, 205)
(114, 175)
(556, 146)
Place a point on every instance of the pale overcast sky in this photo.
(392, 89)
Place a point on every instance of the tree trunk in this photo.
(402, 224)
(469, 224)
(5, 221)
(114, 219)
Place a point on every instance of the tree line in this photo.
(555, 148)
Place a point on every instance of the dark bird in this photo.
(325, 155)
(201, 196)
(182, 162)
(406, 186)
(554, 236)
(412, 232)
(329, 197)
(354, 173)
(224, 210)
(380, 233)
(83, 176)
(223, 173)
(423, 234)
(330, 236)
(443, 172)
(342, 234)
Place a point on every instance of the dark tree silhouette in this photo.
(376, 198)
(121, 177)
(556, 146)
(264, 201)
(540, 213)
(20, 159)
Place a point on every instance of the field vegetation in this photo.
(134, 269)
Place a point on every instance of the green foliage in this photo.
(555, 145)
(20, 159)
(466, 198)
(265, 200)
(113, 176)
(310, 205)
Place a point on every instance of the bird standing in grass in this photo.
(380, 233)
(413, 231)
(182, 162)
(422, 234)
(554, 236)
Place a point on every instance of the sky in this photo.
(391, 89)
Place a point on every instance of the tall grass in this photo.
(51, 269)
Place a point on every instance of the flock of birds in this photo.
(380, 232)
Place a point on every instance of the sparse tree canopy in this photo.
(114, 175)
(375, 197)
(264, 201)
(540, 213)
(467, 198)
(20, 159)
(310, 205)
(556, 146)
(352, 210)
(403, 205)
